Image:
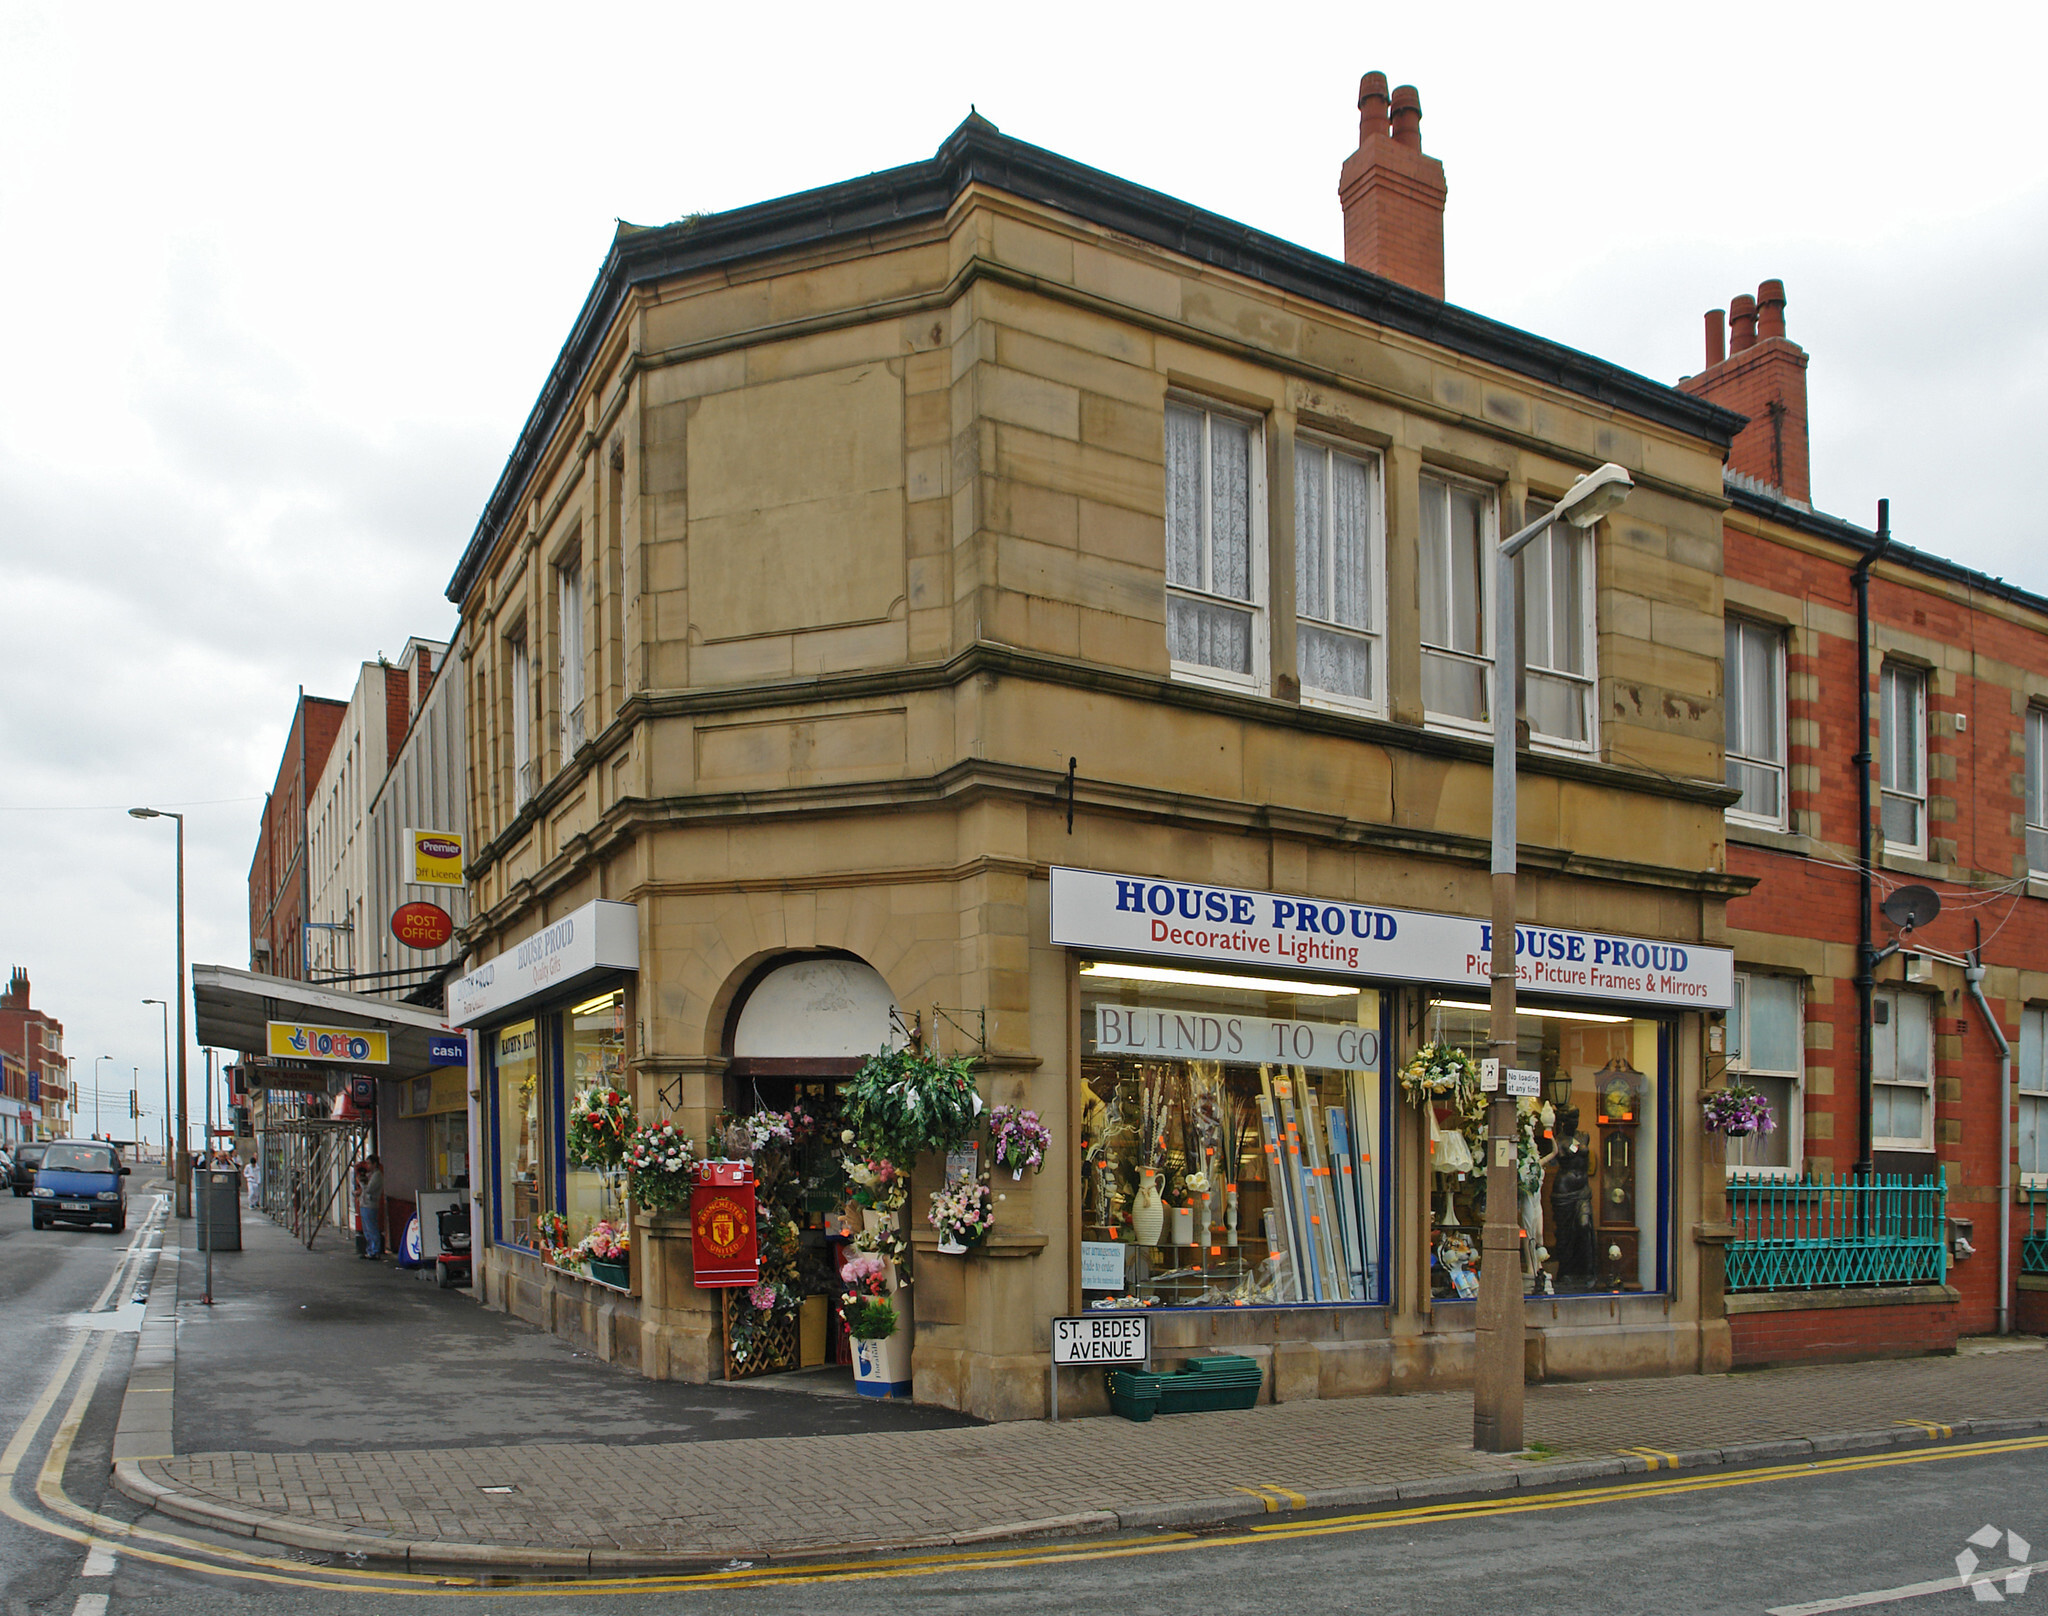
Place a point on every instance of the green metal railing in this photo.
(1826, 1233)
(2034, 1242)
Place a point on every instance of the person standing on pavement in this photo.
(370, 1203)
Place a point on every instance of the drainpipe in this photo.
(1866, 963)
(1973, 973)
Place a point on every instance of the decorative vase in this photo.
(951, 1247)
(1230, 1216)
(1017, 1173)
(1737, 1133)
(1183, 1226)
(1148, 1212)
(882, 1368)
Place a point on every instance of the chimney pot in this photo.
(1407, 116)
(1372, 107)
(1770, 307)
(1717, 338)
(1741, 323)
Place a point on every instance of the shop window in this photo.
(1755, 690)
(2037, 790)
(594, 1055)
(2033, 1084)
(1337, 574)
(1457, 599)
(525, 1133)
(1215, 546)
(1902, 759)
(1766, 1048)
(448, 1150)
(1554, 578)
(1592, 1180)
(1232, 1140)
(1902, 1071)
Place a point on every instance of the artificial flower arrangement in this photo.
(1533, 1119)
(600, 1127)
(877, 1185)
(905, 1102)
(661, 1167)
(551, 1235)
(869, 1318)
(744, 1138)
(607, 1242)
(962, 1213)
(1442, 1073)
(1737, 1110)
(1019, 1138)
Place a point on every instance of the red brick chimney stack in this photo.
(1763, 375)
(1392, 194)
(1717, 337)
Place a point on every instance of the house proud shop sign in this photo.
(1135, 914)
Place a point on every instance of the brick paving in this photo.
(752, 1497)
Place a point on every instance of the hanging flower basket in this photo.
(1442, 1074)
(600, 1127)
(661, 1167)
(1019, 1140)
(1736, 1111)
(905, 1103)
(963, 1214)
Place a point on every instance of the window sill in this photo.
(1324, 703)
(1445, 723)
(1193, 673)
(1759, 833)
(1892, 1147)
(1908, 861)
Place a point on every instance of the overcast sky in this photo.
(279, 285)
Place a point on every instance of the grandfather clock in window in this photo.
(1619, 1088)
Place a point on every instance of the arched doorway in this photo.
(805, 1022)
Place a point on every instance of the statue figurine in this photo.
(1532, 1199)
(1571, 1201)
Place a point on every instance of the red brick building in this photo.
(36, 1075)
(1958, 669)
(278, 881)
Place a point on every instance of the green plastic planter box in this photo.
(1202, 1385)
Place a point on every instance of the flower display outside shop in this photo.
(1443, 1074)
(771, 1140)
(870, 1318)
(1019, 1139)
(962, 1213)
(608, 1242)
(1737, 1110)
(905, 1103)
(551, 1235)
(601, 1126)
(661, 1166)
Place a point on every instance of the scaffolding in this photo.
(308, 1164)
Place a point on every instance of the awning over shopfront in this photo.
(238, 1010)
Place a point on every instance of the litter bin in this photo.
(219, 1209)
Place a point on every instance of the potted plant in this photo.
(962, 1213)
(1019, 1140)
(1737, 1111)
(881, 1356)
(904, 1103)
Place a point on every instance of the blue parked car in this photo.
(81, 1181)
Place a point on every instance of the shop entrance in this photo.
(799, 1030)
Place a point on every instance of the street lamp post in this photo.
(184, 1164)
(96, 1092)
(1498, 1367)
(166, 1009)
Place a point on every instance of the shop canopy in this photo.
(237, 1009)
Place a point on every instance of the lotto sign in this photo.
(363, 1046)
(1109, 1337)
(436, 858)
(723, 1236)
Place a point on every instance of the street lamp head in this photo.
(1597, 494)
(145, 813)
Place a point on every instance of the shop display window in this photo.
(1232, 1140)
(594, 1055)
(525, 1142)
(1590, 1155)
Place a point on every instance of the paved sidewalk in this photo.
(577, 1505)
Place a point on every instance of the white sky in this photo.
(280, 284)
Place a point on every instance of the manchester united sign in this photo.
(724, 1239)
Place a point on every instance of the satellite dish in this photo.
(1911, 906)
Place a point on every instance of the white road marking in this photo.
(1912, 1590)
(90, 1605)
(99, 1561)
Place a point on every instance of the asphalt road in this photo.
(1688, 1542)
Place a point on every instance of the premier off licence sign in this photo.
(1109, 1337)
(1225, 925)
